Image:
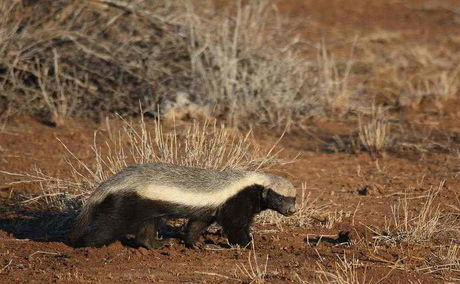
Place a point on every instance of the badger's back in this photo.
(192, 187)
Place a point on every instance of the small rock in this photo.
(143, 251)
(5, 192)
(365, 190)
(344, 237)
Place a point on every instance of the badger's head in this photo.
(280, 195)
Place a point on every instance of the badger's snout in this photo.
(289, 209)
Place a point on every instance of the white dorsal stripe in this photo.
(199, 198)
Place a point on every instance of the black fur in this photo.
(120, 215)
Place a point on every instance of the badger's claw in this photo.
(194, 245)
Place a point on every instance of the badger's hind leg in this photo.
(105, 231)
(146, 235)
(97, 238)
(106, 227)
(193, 230)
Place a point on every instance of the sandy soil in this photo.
(357, 188)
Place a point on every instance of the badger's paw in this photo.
(194, 245)
(152, 243)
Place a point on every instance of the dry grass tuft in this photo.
(440, 87)
(426, 225)
(251, 272)
(346, 272)
(205, 145)
(56, 67)
(374, 134)
(444, 262)
(333, 82)
(246, 79)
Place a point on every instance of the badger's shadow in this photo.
(46, 226)
(22, 219)
(41, 226)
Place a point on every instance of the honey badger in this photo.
(134, 201)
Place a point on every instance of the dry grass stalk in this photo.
(7, 27)
(424, 226)
(438, 88)
(253, 271)
(447, 258)
(450, 254)
(335, 217)
(333, 84)
(54, 194)
(374, 134)
(346, 272)
(60, 104)
(444, 263)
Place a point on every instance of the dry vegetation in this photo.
(157, 51)
(197, 62)
(170, 55)
(428, 224)
(346, 272)
(374, 134)
(253, 270)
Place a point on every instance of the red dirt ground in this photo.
(332, 178)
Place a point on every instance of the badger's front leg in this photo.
(237, 235)
(237, 213)
(195, 227)
(235, 217)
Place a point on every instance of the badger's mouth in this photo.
(288, 209)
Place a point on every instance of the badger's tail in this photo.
(83, 221)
